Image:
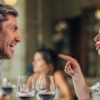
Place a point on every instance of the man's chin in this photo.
(7, 56)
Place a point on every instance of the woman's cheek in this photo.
(38, 67)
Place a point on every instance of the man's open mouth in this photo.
(12, 45)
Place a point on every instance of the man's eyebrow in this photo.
(8, 25)
(11, 26)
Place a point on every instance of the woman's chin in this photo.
(36, 71)
(98, 52)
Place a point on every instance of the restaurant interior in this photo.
(66, 26)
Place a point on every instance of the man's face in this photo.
(9, 37)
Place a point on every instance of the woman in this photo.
(73, 69)
(45, 62)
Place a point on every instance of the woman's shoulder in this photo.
(95, 90)
(96, 86)
(58, 72)
(58, 75)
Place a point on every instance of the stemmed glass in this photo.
(45, 87)
(26, 88)
(7, 86)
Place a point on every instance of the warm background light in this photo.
(97, 14)
(10, 2)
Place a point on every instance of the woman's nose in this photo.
(97, 38)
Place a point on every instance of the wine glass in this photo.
(45, 87)
(7, 85)
(26, 88)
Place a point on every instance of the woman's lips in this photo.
(97, 46)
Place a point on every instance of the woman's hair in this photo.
(50, 56)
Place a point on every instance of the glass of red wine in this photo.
(7, 85)
(45, 86)
(26, 88)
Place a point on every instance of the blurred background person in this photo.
(45, 62)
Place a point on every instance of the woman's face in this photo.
(97, 42)
(39, 64)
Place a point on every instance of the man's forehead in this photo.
(11, 20)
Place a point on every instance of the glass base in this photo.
(26, 99)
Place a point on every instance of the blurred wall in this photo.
(41, 16)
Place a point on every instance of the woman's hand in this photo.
(72, 67)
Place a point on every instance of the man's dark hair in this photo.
(6, 10)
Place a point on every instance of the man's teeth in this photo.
(12, 45)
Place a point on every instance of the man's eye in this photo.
(14, 28)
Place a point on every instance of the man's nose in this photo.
(18, 38)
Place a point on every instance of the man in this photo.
(9, 35)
